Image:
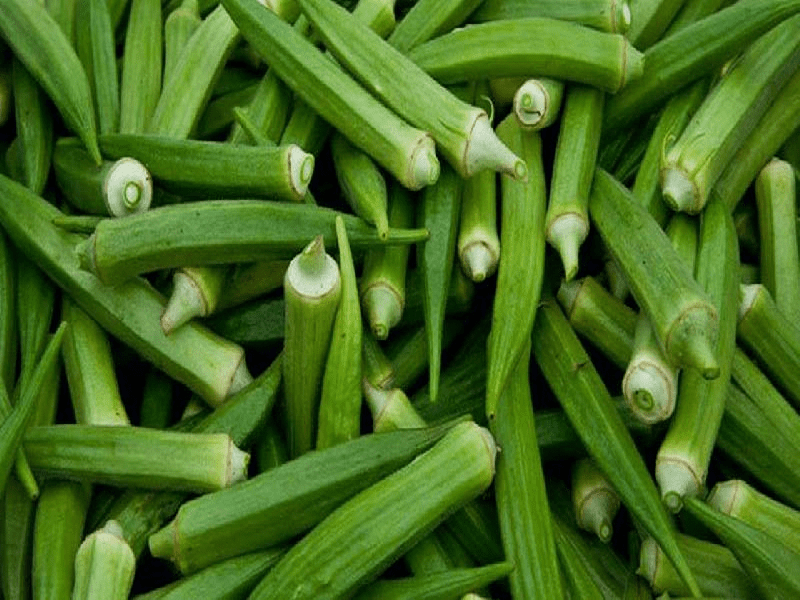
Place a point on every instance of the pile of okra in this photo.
(447, 299)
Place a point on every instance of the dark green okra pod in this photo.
(34, 122)
(140, 83)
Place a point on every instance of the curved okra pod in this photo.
(118, 189)
(537, 102)
(34, 122)
(104, 564)
(218, 232)
(612, 16)
(312, 291)
(140, 83)
(427, 19)
(406, 152)
(214, 169)
(179, 26)
(692, 165)
(567, 220)
(521, 270)
(547, 47)
(595, 500)
(39, 43)
(683, 319)
(339, 417)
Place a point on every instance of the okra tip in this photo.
(726, 496)
(313, 273)
(85, 251)
(478, 261)
(747, 298)
(301, 168)
(622, 17)
(677, 479)
(186, 302)
(531, 104)
(679, 191)
(128, 188)
(649, 391)
(690, 340)
(567, 295)
(384, 309)
(484, 151)
(423, 168)
(566, 234)
(164, 543)
(237, 464)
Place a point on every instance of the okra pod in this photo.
(34, 122)
(691, 166)
(179, 26)
(595, 500)
(427, 19)
(212, 169)
(683, 319)
(346, 549)
(117, 189)
(104, 564)
(142, 62)
(547, 47)
(585, 399)
(537, 102)
(478, 241)
(406, 152)
(452, 583)
(16, 539)
(257, 323)
(136, 457)
(777, 219)
(567, 220)
(8, 314)
(612, 16)
(773, 339)
(650, 19)
(253, 514)
(217, 232)
(577, 576)
(521, 271)
(155, 410)
(39, 43)
(268, 110)
(462, 132)
(339, 416)
(195, 292)
(223, 111)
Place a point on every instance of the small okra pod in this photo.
(462, 132)
(547, 47)
(136, 457)
(39, 43)
(104, 565)
(693, 52)
(537, 102)
(567, 221)
(777, 220)
(692, 165)
(772, 564)
(428, 19)
(362, 184)
(718, 571)
(772, 337)
(478, 241)
(268, 110)
(452, 583)
(253, 514)
(193, 168)
(612, 16)
(347, 549)
(339, 416)
(650, 19)
(595, 500)
(683, 318)
(740, 500)
(383, 278)
(142, 63)
(179, 26)
(114, 188)
(407, 153)
(584, 397)
(312, 291)
(521, 270)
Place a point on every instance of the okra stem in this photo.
(537, 102)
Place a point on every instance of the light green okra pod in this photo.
(577, 576)
(268, 110)
(195, 292)
(612, 16)
(179, 26)
(104, 565)
(595, 500)
(142, 63)
(34, 128)
(428, 19)
(650, 19)
(478, 241)
(537, 102)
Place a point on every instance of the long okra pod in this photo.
(683, 319)
(404, 151)
(521, 270)
(611, 16)
(462, 132)
(567, 221)
(582, 394)
(731, 111)
(34, 128)
(650, 19)
(179, 26)
(140, 83)
(339, 417)
(547, 47)
(156, 408)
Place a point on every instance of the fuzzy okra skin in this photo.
(692, 165)
(34, 122)
(214, 169)
(365, 534)
(217, 232)
(406, 152)
(612, 16)
(584, 397)
(427, 19)
(179, 26)
(547, 47)
(462, 132)
(683, 318)
(650, 19)
(140, 83)
(285, 501)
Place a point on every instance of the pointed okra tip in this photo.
(566, 234)
(85, 251)
(478, 261)
(680, 192)
(313, 273)
(622, 18)
(728, 496)
(186, 302)
(384, 308)
(677, 479)
(484, 151)
(424, 167)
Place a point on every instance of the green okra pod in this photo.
(691, 11)
(406, 152)
(567, 220)
(155, 410)
(192, 168)
(595, 500)
(580, 391)
(691, 165)
(34, 122)
(16, 540)
(521, 270)
(195, 292)
(577, 576)
(547, 47)
(339, 416)
(179, 26)
(409, 354)
(104, 564)
(8, 314)
(285, 501)
(537, 102)
(136, 457)
(142, 63)
(256, 323)
(63, 13)
(268, 109)
(225, 110)
(428, 19)
(462, 132)
(612, 16)
(375, 365)
(650, 19)
(478, 241)
(452, 583)
(217, 232)
(117, 189)
(683, 319)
